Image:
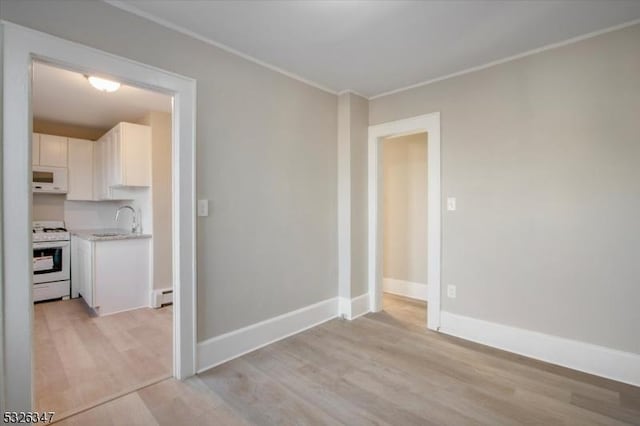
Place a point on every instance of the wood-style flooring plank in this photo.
(381, 369)
(82, 359)
(251, 393)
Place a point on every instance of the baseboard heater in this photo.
(162, 297)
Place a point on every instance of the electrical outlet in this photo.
(451, 291)
(451, 204)
(203, 207)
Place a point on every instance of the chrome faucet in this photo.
(134, 218)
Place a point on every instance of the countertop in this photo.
(122, 234)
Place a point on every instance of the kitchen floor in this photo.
(82, 360)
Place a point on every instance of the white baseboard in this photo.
(223, 348)
(353, 308)
(344, 307)
(405, 288)
(589, 358)
(359, 306)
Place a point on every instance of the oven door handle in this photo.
(50, 244)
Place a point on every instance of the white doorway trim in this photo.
(20, 47)
(429, 123)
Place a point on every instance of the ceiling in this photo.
(372, 47)
(67, 97)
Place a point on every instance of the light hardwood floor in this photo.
(403, 312)
(383, 368)
(81, 360)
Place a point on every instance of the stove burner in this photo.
(46, 231)
(53, 230)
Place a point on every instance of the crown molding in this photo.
(509, 58)
(134, 10)
(353, 92)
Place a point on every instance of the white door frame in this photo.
(20, 47)
(429, 123)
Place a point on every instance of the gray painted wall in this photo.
(353, 123)
(542, 155)
(404, 177)
(161, 197)
(343, 147)
(359, 192)
(266, 159)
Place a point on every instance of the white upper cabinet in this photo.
(35, 149)
(122, 159)
(130, 155)
(97, 169)
(48, 150)
(80, 169)
(101, 170)
(53, 151)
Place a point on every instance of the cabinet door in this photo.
(35, 149)
(53, 151)
(125, 286)
(97, 170)
(108, 159)
(75, 271)
(102, 167)
(115, 157)
(80, 169)
(85, 272)
(135, 143)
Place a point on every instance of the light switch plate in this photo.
(451, 204)
(203, 207)
(451, 291)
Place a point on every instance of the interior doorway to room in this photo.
(404, 228)
(102, 239)
(20, 47)
(429, 126)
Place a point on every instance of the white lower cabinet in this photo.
(85, 271)
(111, 275)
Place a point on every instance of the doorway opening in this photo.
(408, 256)
(21, 47)
(404, 240)
(101, 214)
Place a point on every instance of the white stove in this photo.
(51, 261)
(50, 231)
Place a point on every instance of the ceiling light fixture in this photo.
(102, 84)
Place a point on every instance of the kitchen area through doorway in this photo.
(102, 239)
